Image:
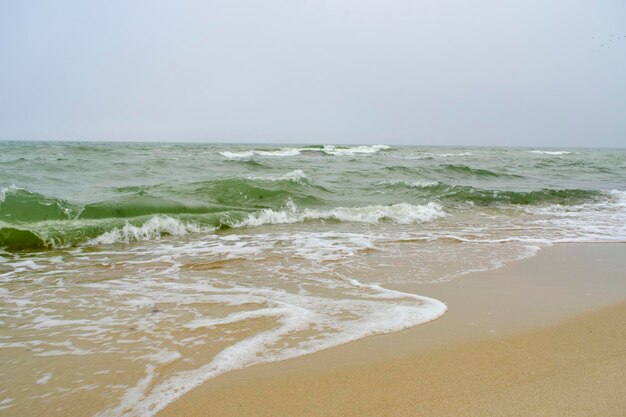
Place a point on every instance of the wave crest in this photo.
(297, 176)
(152, 229)
(401, 213)
(333, 150)
(549, 152)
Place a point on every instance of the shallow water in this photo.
(132, 272)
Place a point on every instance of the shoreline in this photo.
(475, 359)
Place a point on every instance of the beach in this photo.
(542, 336)
(339, 208)
(135, 278)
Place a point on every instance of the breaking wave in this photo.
(29, 220)
(401, 213)
(550, 152)
(325, 149)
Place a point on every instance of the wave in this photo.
(474, 172)
(431, 155)
(256, 193)
(249, 162)
(119, 230)
(296, 175)
(19, 204)
(352, 150)
(408, 184)
(15, 239)
(401, 213)
(461, 193)
(550, 152)
(251, 153)
(153, 229)
(29, 220)
(449, 171)
(332, 150)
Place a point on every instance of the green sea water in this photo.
(59, 194)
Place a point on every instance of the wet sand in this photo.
(545, 336)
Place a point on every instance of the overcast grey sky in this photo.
(489, 72)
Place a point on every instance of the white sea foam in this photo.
(353, 150)
(549, 152)
(410, 184)
(327, 246)
(430, 155)
(448, 155)
(154, 228)
(598, 221)
(294, 314)
(163, 357)
(251, 153)
(326, 149)
(401, 213)
(307, 307)
(5, 190)
(297, 175)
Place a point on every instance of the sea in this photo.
(131, 273)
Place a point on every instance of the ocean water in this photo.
(131, 273)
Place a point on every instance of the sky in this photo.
(414, 72)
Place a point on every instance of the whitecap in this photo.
(154, 228)
(353, 150)
(251, 153)
(549, 152)
(297, 175)
(401, 213)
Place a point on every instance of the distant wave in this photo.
(550, 152)
(408, 184)
(251, 153)
(297, 175)
(325, 149)
(471, 171)
(352, 150)
(431, 155)
(441, 191)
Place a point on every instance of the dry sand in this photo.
(541, 337)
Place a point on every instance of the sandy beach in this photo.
(543, 336)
